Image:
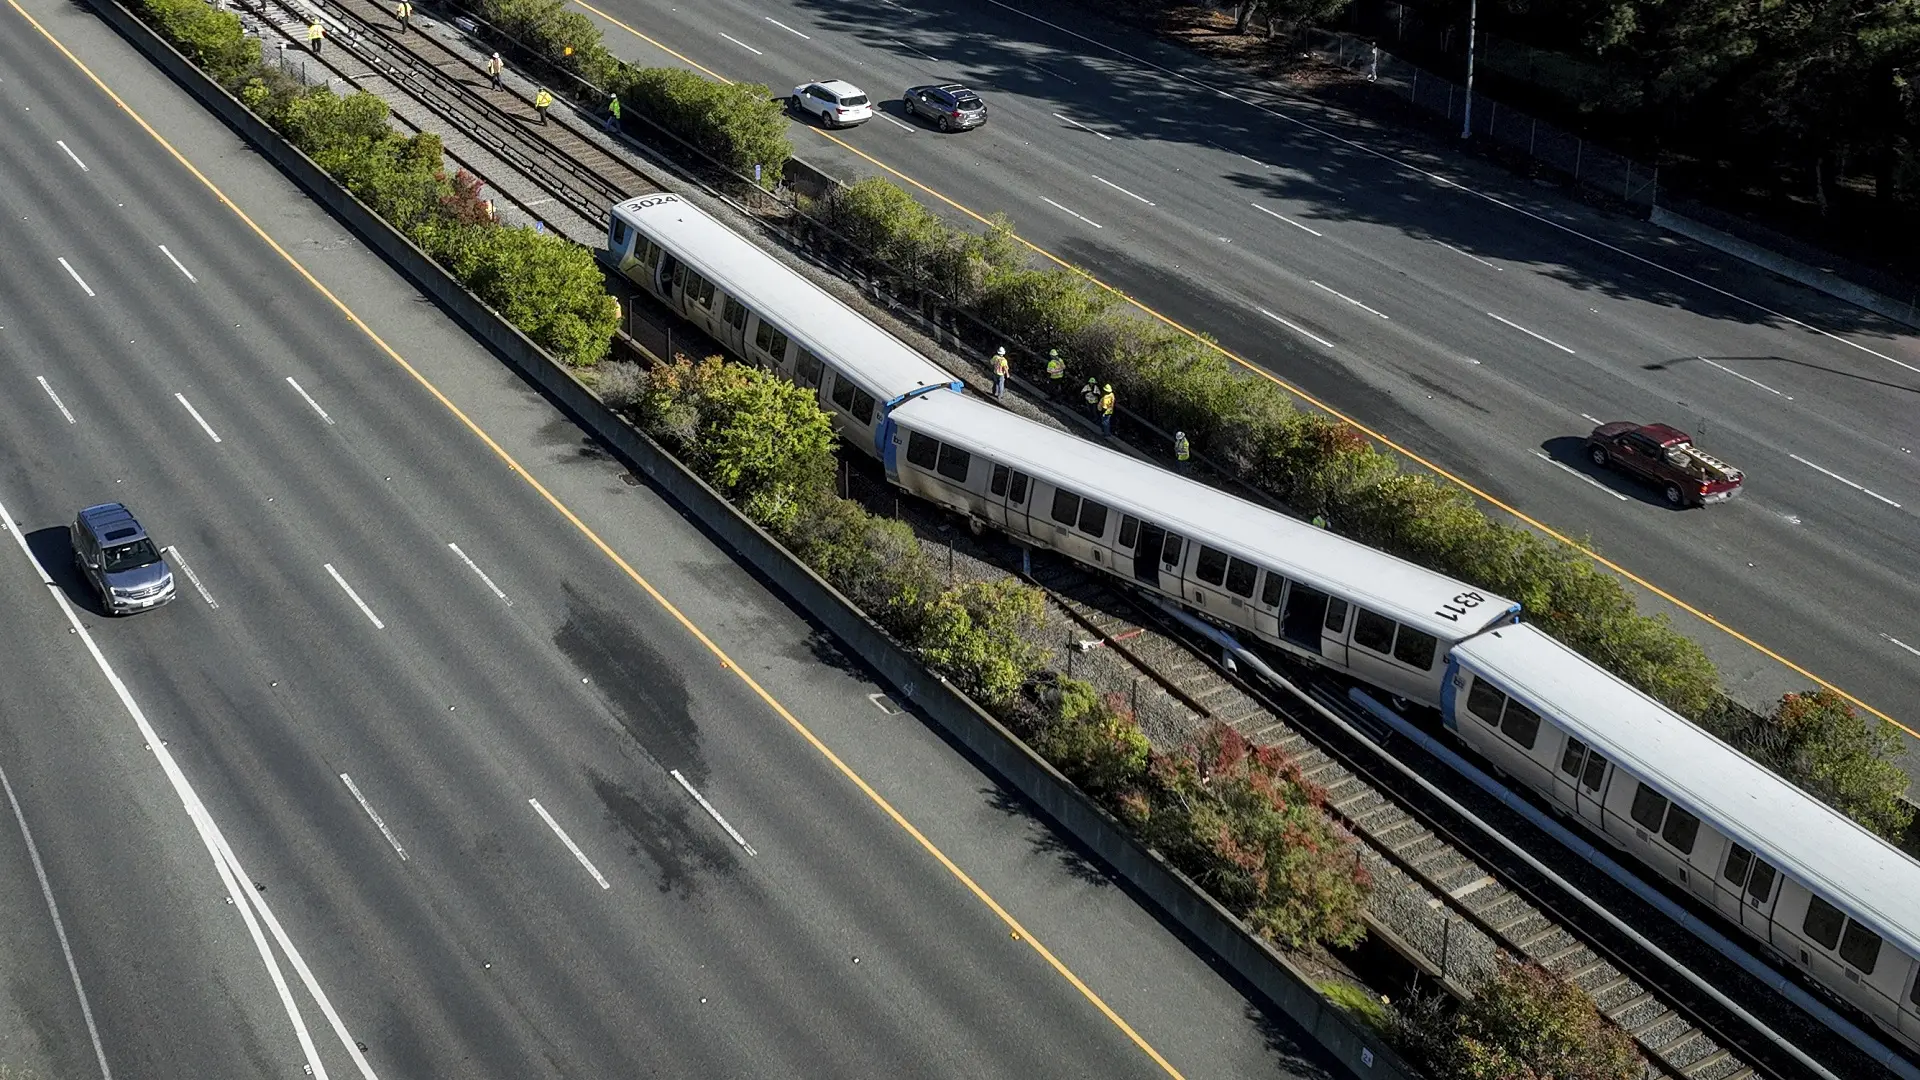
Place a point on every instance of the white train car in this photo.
(1291, 585)
(766, 314)
(1821, 892)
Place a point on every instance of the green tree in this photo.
(1524, 1023)
(549, 287)
(1847, 760)
(1092, 741)
(978, 635)
(740, 124)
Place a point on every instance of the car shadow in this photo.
(898, 109)
(1571, 451)
(53, 547)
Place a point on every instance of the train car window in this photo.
(1649, 808)
(698, 290)
(735, 314)
(1336, 615)
(1415, 648)
(1211, 566)
(1241, 575)
(998, 485)
(1681, 829)
(1860, 947)
(771, 341)
(1170, 550)
(922, 451)
(1270, 592)
(1739, 861)
(1093, 518)
(1485, 700)
(808, 369)
(842, 392)
(863, 407)
(1823, 922)
(649, 253)
(1914, 995)
(1066, 507)
(1574, 756)
(954, 463)
(1374, 631)
(1596, 772)
(1760, 885)
(1129, 531)
(1520, 723)
(1017, 495)
(620, 231)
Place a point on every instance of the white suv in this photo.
(836, 103)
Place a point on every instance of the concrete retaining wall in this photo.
(1288, 989)
(1767, 259)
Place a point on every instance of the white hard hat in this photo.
(1002, 351)
(1179, 434)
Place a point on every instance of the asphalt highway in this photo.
(421, 775)
(1480, 322)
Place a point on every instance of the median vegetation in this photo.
(1523, 1023)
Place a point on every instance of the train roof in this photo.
(1823, 849)
(1384, 583)
(885, 366)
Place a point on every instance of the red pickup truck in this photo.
(1667, 458)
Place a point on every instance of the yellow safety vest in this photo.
(1180, 448)
(542, 99)
(1000, 363)
(1106, 403)
(316, 32)
(1056, 368)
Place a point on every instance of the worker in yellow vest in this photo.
(542, 101)
(1106, 409)
(1056, 372)
(403, 14)
(1000, 372)
(495, 66)
(1181, 450)
(316, 37)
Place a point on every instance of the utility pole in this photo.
(1473, 21)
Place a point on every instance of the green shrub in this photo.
(210, 37)
(550, 29)
(549, 287)
(738, 123)
(1524, 1023)
(1841, 757)
(620, 384)
(1092, 741)
(975, 635)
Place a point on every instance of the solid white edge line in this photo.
(316, 405)
(1737, 375)
(891, 120)
(355, 597)
(1055, 74)
(379, 824)
(210, 835)
(1844, 480)
(1283, 217)
(195, 413)
(1531, 334)
(1122, 190)
(76, 275)
(57, 403)
(1296, 328)
(60, 927)
(1347, 298)
(1468, 254)
(1571, 471)
(914, 49)
(1084, 127)
(471, 565)
(76, 157)
(787, 28)
(1902, 644)
(568, 840)
(191, 576)
(1589, 416)
(1082, 217)
(178, 263)
(715, 814)
(742, 44)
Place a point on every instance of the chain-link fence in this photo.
(1586, 163)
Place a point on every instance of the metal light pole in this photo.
(1473, 20)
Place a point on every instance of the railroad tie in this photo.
(1708, 1062)
(1614, 1014)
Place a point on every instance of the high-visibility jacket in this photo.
(493, 65)
(315, 32)
(613, 106)
(402, 10)
(1319, 522)
(542, 99)
(1056, 368)
(1180, 447)
(1106, 403)
(1000, 364)
(1091, 391)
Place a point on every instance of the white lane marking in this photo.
(471, 565)
(1122, 190)
(914, 49)
(1239, 155)
(1456, 185)
(59, 928)
(44, 385)
(178, 263)
(715, 814)
(902, 7)
(787, 28)
(1082, 126)
(348, 589)
(568, 840)
(1082, 217)
(76, 275)
(1055, 74)
(195, 413)
(1843, 479)
(1902, 644)
(1283, 217)
(62, 143)
(379, 824)
(1737, 375)
(1531, 334)
(1296, 328)
(1468, 254)
(253, 907)
(1347, 298)
(1590, 416)
(316, 405)
(743, 45)
(891, 120)
(1570, 471)
(191, 576)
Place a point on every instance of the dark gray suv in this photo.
(119, 560)
(951, 107)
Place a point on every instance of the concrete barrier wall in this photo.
(1290, 991)
(1767, 259)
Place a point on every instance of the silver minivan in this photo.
(119, 560)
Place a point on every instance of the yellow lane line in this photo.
(726, 661)
(1316, 403)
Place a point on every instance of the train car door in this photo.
(1910, 1005)
(1755, 882)
(1146, 554)
(1581, 783)
(1265, 605)
(1304, 616)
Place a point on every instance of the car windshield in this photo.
(129, 556)
(854, 99)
